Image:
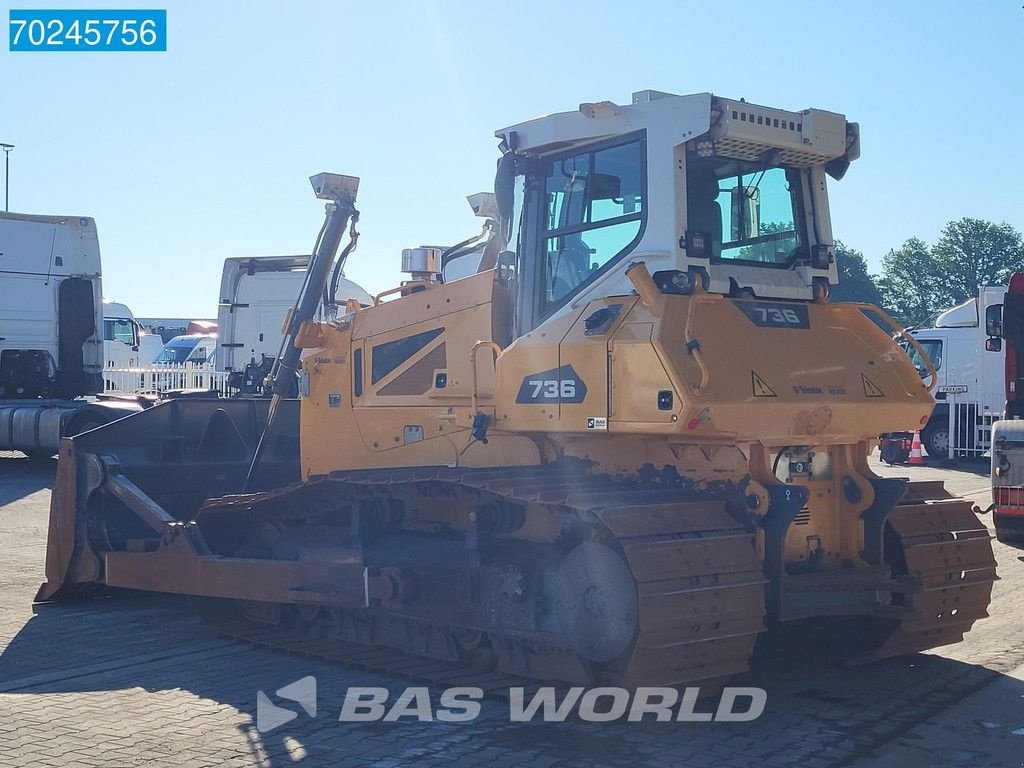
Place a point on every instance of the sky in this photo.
(203, 152)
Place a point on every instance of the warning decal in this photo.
(870, 390)
(760, 388)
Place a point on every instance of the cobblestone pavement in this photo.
(134, 681)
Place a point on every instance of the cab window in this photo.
(751, 212)
(594, 208)
(931, 348)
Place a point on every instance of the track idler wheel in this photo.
(596, 602)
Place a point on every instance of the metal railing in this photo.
(970, 427)
(154, 379)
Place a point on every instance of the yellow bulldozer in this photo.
(630, 439)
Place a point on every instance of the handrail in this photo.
(475, 398)
(405, 286)
(901, 331)
(693, 346)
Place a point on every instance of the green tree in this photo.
(972, 253)
(913, 286)
(918, 282)
(855, 282)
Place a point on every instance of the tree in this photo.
(855, 283)
(913, 286)
(918, 282)
(972, 253)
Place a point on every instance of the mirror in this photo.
(746, 213)
(504, 191)
(994, 320)
(993, 345)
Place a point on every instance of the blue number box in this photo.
(88, 30)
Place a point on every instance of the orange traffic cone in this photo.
(915, 449)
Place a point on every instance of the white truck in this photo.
(51, 332)
(971, 376)
(126, 343)
(120, 336)
(166, 328)
(255, 295)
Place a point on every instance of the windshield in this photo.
(931, 348)
(119, 329)
(750, 212)
(176, 353)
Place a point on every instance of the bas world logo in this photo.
(270, 716)
(546, 704)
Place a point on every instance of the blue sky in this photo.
(203, 152)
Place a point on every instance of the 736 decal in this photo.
(559, 385)
(769, 314)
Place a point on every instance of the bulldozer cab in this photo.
(588, 209)
(707, 192)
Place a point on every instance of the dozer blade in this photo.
(113, 483)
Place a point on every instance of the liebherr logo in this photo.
(270, 716)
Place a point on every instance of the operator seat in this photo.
(703, 213)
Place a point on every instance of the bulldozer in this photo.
(629, 442)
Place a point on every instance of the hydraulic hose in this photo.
(457, 250)
(283, 376)
(330, 292)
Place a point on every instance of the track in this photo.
(691, 602)
(948, 561)
(694, 603)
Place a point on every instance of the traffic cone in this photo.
(915, 449)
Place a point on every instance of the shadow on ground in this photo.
(21, 476)
(817, 713)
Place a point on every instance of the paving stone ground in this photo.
(135, 680)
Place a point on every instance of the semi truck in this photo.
(970, 376)
(255, 296)
(51, 333)
(126, 342)
(1004, 326)
(166, 328)
(121, 336)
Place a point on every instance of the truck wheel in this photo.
(84, 423)
(936, 441)
(85, 426)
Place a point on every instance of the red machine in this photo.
(1005, 325)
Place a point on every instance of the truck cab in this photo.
(970, 375)
(50, 311)
(255, 296)
(121, 336)
(1004, 326)
(52, 332)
